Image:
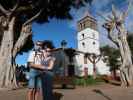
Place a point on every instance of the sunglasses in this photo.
(39, 44)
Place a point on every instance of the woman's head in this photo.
(47, 46)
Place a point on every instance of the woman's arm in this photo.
(42, 67)
(50, 65)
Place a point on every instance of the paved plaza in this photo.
(98, 92)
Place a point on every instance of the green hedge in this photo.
(87, 81)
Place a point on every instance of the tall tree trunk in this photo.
(8, 52)
(25, 33)
(126, 70)
(118, 34)
(7, 64)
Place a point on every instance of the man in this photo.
(41, 62)
(34, 83)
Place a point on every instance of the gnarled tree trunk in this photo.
(8, 52)
(126, 69)
(120, 39)
(9, 47)
(7, 65)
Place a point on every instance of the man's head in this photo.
(38, 45)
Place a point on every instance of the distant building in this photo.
(88, 41)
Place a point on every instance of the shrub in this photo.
(82, 81)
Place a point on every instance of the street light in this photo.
(63, 44)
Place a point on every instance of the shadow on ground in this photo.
(64, 86)
(101, 93)
(57, 95)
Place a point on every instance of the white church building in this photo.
(88, 42)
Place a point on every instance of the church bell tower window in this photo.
(83, 44)
(83, 35)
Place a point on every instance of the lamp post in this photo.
(63, 44)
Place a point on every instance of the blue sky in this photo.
(58, 30)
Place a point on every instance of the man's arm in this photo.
(36, 66)
(31, 61)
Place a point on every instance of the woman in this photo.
(47, 77)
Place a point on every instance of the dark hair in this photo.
(48, 44)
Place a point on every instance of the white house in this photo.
(88, 41)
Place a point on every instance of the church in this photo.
(88, 42)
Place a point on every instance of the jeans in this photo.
(34, 80)
(47, 85)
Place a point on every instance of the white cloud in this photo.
(77, 15)
(98, 5)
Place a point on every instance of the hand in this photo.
(45, 68)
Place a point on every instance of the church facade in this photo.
(88, 42)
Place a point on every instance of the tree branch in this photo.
(99, 57)
(99, 14)
(111, 17)
(25, 33)
(32, 18)
(4, 11)
(10, 11)
(111, 37)
(15, 7)
(20, 43)
(109, 26)
(90, 59)
(114, 12)
(124, 15)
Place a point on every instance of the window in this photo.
(83, 35)
(81, 26)
(83, 44)
(84, 25)
(94, 43)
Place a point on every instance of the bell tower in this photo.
(88, 41)
(88, 36)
